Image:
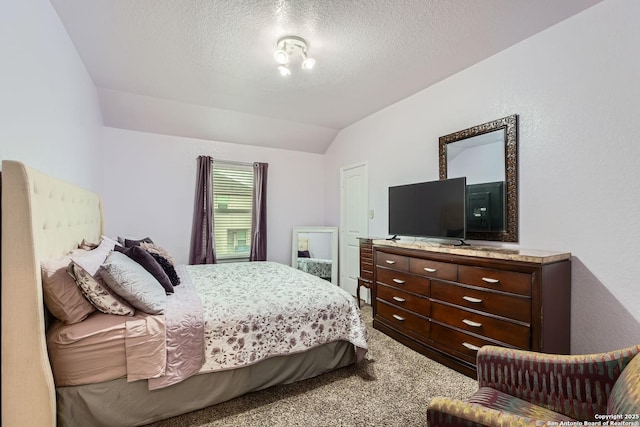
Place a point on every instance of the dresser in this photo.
(365, 278)
(446, 301)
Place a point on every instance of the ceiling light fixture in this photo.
(288, 46)
(307, 63)
(284, 70)
(281, 56)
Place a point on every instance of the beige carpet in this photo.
(392, 387)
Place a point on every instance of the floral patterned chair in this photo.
(522, 388)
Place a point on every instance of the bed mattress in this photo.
(94, 350)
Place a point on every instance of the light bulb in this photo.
(281, 56)
(308, 63)
(284, 70)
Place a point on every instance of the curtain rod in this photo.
(231, 162)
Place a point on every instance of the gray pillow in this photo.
(132, 282)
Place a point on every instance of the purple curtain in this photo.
(202, 250)
(259, 213)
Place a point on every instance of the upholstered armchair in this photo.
(522, 388)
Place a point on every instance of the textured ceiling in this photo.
(205, 68)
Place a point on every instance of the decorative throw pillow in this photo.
(91, 261)
(304, 254)
(110, 240)
(99, 294)
(132, 282)
(168, 268)
(129, 242)
(87, 246)
(624, 393)
(61, 294)
(153, 248)
(149, 263)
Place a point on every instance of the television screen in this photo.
(428, 209)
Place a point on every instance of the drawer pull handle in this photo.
(389, 261)
(471, 346)
(430, 270)
(399, 299)
(471, 299)
(471, 323)
(400, 318)
(489, 280)
(398, 281)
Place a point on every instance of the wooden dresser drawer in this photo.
(499, 304)
(507, 332)
(436, 269)
(404, 300)
(403, 281)
(397, 262)
(403, 320)
(505, 281)
(463, 345)
(366, 268)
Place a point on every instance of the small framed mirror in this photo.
(315, 250)
(487, 155)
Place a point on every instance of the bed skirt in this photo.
(118, 403)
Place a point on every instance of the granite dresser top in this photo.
(517, 254)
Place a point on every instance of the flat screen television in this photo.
(433, 209)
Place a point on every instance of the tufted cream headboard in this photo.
(42, 218)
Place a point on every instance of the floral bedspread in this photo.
(256, 310)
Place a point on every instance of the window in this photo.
(232, 205)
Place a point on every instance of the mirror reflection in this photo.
(487, 155)
(481, 159)
(314, 251)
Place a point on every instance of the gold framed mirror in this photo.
(487, 155)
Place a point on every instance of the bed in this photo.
(44, 218)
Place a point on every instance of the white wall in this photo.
(149, 186)
(575, 88)
(49, 113)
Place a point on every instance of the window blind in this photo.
(232, 204)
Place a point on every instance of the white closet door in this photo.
(354, 223)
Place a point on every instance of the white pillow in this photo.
(91, 260)
(110, 240)
(132, 282)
